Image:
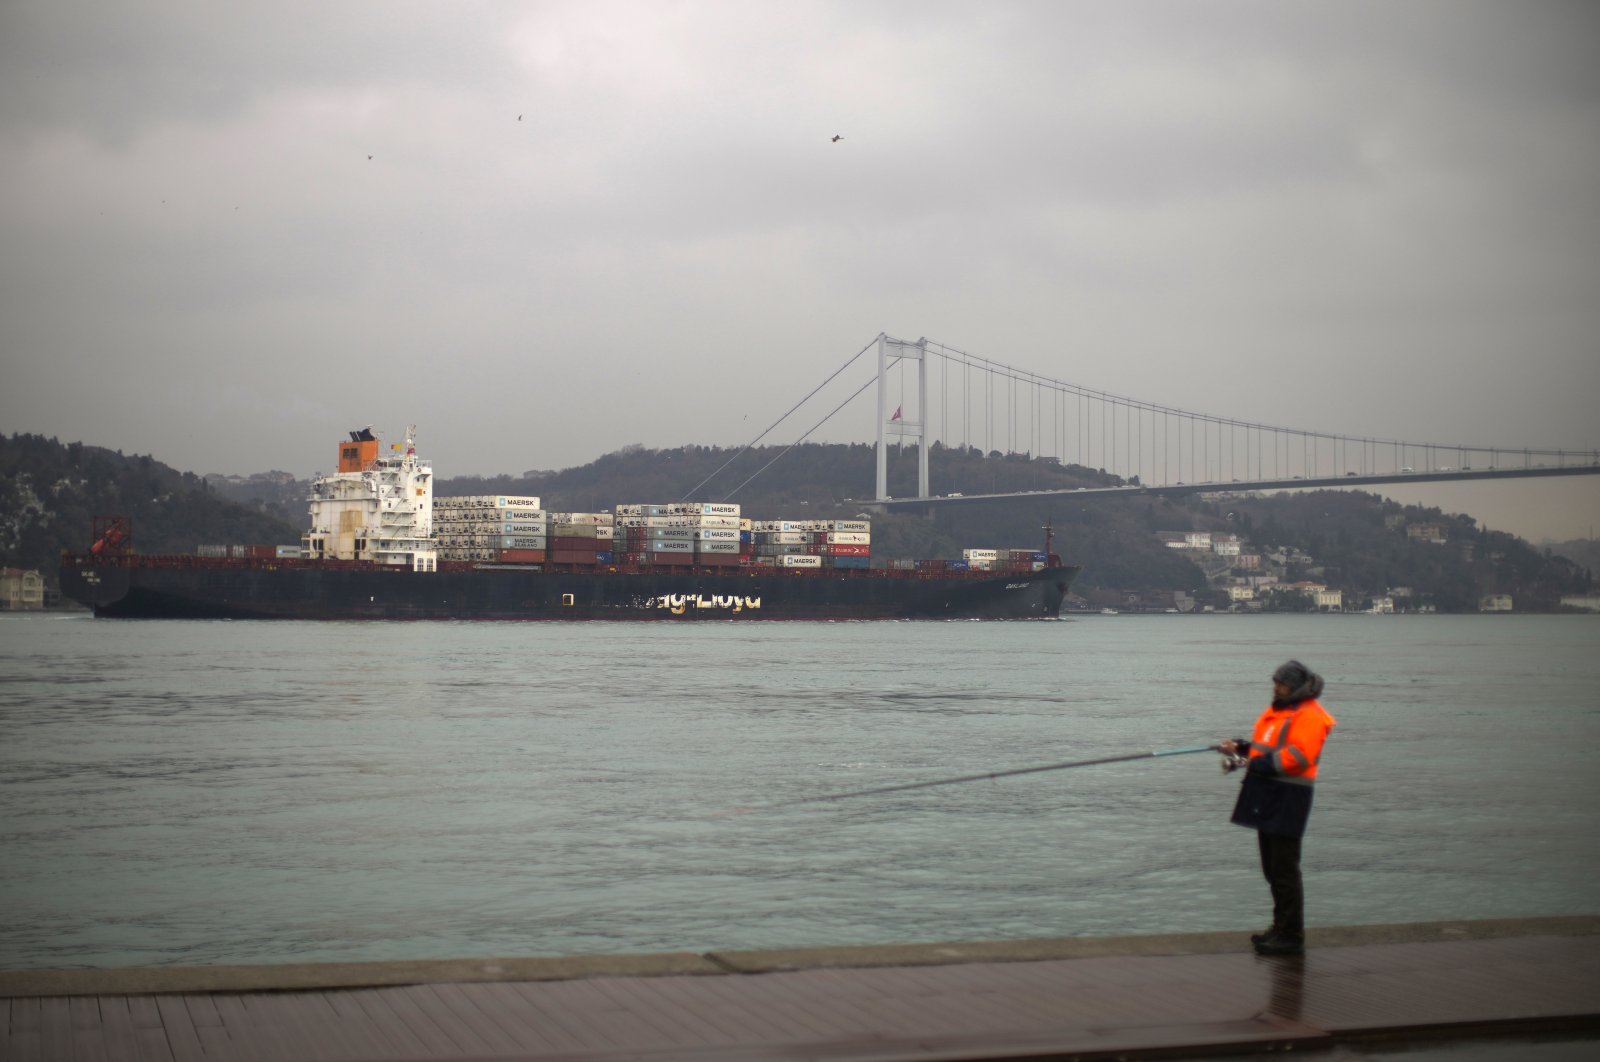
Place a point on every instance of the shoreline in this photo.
(161, 980)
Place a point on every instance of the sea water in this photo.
(178, 792)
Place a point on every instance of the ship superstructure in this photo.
(377, 507)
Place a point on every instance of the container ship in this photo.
(381, 546)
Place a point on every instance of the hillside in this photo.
(1350, 543)
(51, 492)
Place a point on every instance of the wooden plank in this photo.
(548, 1035)
(667, 1024)
(789, 1010)
(565, 1006)
(426, 999)
(400, 1041)
(145, 1013)
(55, 1027)
(380, 1038)
(254, 1031)
(185, 1042)
(481, 1015)
(393, 1003)
(21, 1034)
(721, 1008)
(88, 1036)
(290, 1022)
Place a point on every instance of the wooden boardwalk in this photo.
(1176, 996)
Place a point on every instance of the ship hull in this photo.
(137, 589)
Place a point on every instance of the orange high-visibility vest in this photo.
(1293, 737)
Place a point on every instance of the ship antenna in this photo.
(1049, 540)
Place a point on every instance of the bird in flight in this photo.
(837, 138)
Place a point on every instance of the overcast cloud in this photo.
(584, 225)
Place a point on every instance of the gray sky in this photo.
(1370, 218)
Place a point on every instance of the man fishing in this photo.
(1280, 762)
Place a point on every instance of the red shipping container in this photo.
(522, 556)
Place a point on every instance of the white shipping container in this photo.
(979, 554)
(800, 560)
(785, 538)
(848, 538)
(852, 525)
(288, 552)
(672, 534)
(715, 534)
(604, 531)
(487, 501)
(572, 531)
(716, 547)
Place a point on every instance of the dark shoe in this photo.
(1280, 945)
(1261, 938)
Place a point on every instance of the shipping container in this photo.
(522, 556)
(486, 501)
(716, 547)
(800, 561)
(784, 537)
(851, 562)
(717, 560)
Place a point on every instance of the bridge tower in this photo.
(898, 423)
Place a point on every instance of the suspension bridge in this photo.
(965, 401)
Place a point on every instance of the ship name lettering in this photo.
(678, 604)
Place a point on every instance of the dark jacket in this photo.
(1272, 806)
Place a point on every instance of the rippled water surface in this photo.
(210, 792)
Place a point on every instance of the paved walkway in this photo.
(1176, 996)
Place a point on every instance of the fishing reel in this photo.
(1232, 761)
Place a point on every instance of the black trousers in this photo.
(1280, 862)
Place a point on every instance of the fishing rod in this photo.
(1005, 774)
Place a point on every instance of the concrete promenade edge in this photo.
(317, 976)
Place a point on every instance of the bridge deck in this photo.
(1178, 996)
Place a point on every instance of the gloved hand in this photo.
(1232, 761)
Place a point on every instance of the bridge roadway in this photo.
(1503, 985)
(1349, 479)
